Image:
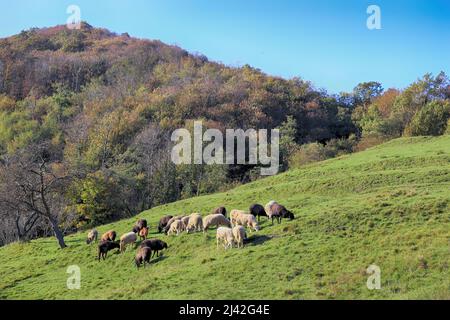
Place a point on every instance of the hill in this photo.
(387, 206)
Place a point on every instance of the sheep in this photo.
(224, 235)
(195, 223)
(92, 236)
(141, 224)
(155, 244)
(185, 221)
(239, 235)
(109, 236)
(215, 220)
(143, 233)
(220, 210)
(126, 239)
(169, 223)
(163, 223)
(277, 211)
(106, 246)
(257, 210)
(176, 227)
(242, 218)
(143, 256)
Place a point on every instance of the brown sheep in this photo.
(155, 244)
(143, 234)
(163, 223)
(109, 236)
(143, 256)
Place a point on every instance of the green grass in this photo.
(387, 206)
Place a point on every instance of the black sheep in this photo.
(258, 210)
(155, 244)
(220, 210)
(106, 246)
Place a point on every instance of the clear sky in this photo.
(324, 41)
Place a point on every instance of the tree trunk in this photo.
(58, 234)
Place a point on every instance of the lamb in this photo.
(176, 227)
(109, 236)
(257, 210)
(141, 224)
(163, 223)
(215, 220)
(92, 236)
(239, 235)
(143, 234)
(106, 246)
(224, 235)
(242, 218)
(155, 244)
(143, 256)
(195, 223)
(220, 210)
(126, 239)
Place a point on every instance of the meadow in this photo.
(388, 206)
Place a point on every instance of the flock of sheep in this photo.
(230, 232)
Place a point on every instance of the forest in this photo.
(86, 118)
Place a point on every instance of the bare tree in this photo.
(33, 189)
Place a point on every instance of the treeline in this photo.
(86, 118)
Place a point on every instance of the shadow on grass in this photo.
(257, 240)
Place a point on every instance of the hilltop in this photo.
(387, 206)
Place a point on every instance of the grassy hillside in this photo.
(387, 206)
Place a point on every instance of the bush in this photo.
(431, 120)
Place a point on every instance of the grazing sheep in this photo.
(109, 236)
(155, 244)
(143, 234)
(176, 227)
(239, 235)
(169, 223)
(106, 246)
(92, 236)
(277, 211)
(141, 224)
(163, 223)
(242, 218)
(195, 223)
(220, 210)
(215, 220)
(257, 210)
(143, 256)
(224, 235)
(185, 221)
(126, 239)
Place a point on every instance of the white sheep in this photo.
(224, 235)
(242, 218)
(215, 220)
(126, 239)
(195, 223)
(185, 221)
(239, 235)
(176, 227)
(92, 236)
(169, 223)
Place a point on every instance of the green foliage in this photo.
(431, 120)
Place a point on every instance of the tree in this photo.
(366, 92)
(431, 120)
(34, 187)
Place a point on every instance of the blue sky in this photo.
(324, 41)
